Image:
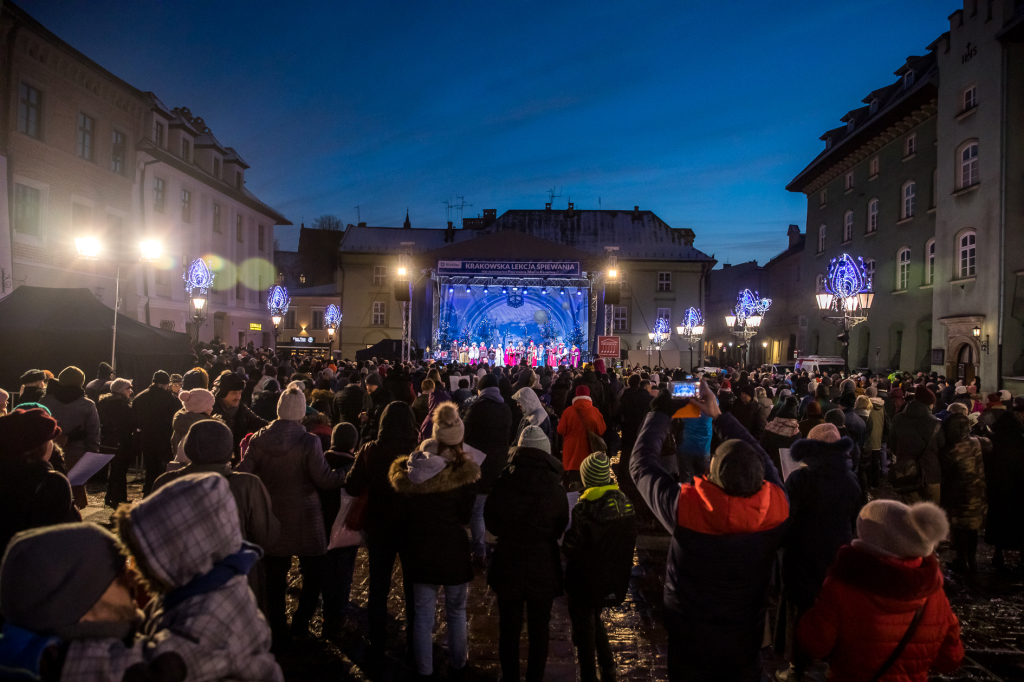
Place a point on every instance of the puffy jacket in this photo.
(488, 421)
(291, 464)
(865, 608)
(963, 489)
(722, 550)
(154, 411)
(599, 547)
(750, 416)
(876, 425)
(915, 433)
(348, 403)
(527, 511)
(576, 420)
(77, 417)
(824, 500)
(241, 424)
(32, 495)
(117, 424)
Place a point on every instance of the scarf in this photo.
(239, 563)
(783, 427)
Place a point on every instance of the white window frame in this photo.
(910, 146)
(85, 141)
(186, 205)
(968, 175)
(848, 227)
(41, 210)
(289, 320)
(819, 283)
(159, 194)
(903, 268)
(929, 261)
(380, 275)
(873, 165)
(967, 254)
(380, 313)
(664, 281)
(969, 98)
(869, 267)
(873, 216)
(908, 200)
(824, 197)
(821, 238)
(118, 165)
(665, 313)
(620, 318)
(849, 180)
(28, 124)
(313, 312)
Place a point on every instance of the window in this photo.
(216, 168)
(158, 137)
(302, 278)
(909, 198)
(908, 79)
(167, 324)
(318, 320)
(259, 238)
(665, 314)
(824, 197)
(929, 265)
(289, 320)
(86, 128)
(869, 267)
(380, 274)
(117, 150)
(903, 269)
(873, 166)
(664, 281)
(970, 99)
(238, 228)
(848, 226)
(216, 218)
(821, 238)
(27, 210)
(819, 283)
(379, 312)
(620, 320)
(186, 206)
(911, 146)
(967, 254)
(184, 149)
(158, 195)
(849, 180)
(969, 165)
(872, 216)
(30, 111)
(239, 289)
(238, 180)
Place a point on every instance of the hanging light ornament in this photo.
(278, 300)
(198, 276)
(332, 316)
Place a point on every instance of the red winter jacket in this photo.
(576, 420)
(864, 609)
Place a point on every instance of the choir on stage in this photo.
(542, 355)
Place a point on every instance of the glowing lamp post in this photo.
(198, 282)
(332, 320)
(747, 316)
(846, 298)
(277, 304)
(659, 335)
(691, 329)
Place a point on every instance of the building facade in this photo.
(86, 155)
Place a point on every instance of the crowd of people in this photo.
(804, 511)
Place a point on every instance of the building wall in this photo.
(787, 316)
(358, 294)
(640, 296)
(724, 286)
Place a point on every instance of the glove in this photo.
(666, 404)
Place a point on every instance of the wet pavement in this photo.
(990, 606)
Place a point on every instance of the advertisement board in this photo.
(608, 346)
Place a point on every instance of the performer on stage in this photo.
(473, 352)
(453, 356)
(463, 354)
(499, 356)
(541, 354)
(532, 354)
(484, 356)
(561, 353)
(552, 359)
(520, 353)
(574, 358)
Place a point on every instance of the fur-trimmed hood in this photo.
(321, 394)
(448, 478)
(812, 451)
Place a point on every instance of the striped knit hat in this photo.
(596, 470)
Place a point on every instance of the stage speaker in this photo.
(611, 293)
(403, 292)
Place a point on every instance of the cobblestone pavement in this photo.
(990, 606)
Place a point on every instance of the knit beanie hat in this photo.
(119, 384)
(582, 391)
(737, 469)
(71, 376)
(25, 430)
(209, 441)
(227, 382)
(1004, 394)
(104, 371)
(373, 380)
(892, 528)
(344, 438)
(448, 427)
(534, 437)
(596, 470)
(45, 595)
(827, 433)
(32, 376)
(487, 381)
(195, 378)
(175, 378)
(291, 405)
(197, 400)
(161, 377)
(924, 395)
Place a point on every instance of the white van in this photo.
(819, 364)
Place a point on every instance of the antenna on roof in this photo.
(447, 209)
(459, 206)
(552, 196)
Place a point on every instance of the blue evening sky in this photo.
(699, 111)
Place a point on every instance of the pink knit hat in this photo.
(197, 400)
(826, 433)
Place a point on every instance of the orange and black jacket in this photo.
(722, 549)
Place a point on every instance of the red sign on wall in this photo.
(608, 346)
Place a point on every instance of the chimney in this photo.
(571, 206)
(636, 213)
(547, 206)
(362, 224)
(794, 235)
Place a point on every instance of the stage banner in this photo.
(509, 268)
(608, 346)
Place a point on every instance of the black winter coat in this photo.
(599, 546)
(527, 510)
(348, 403)
(911, 435)
(241, 424)
(1004, 477)
(750, 416)
(117, 424)
(330, 500)
(488, 424)
(634, 405)
(824, 500)
(32, 495)
(435, 549)
(154, 411)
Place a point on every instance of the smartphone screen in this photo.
(685, 389)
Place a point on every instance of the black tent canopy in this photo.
(44, 328)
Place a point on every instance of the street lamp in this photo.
(198, 282)
(277, 304)
(846, 299)
(332, 319)
(691, 329)
(90, 248)
(659, 335)
(747, 316)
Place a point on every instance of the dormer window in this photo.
(216, 168)
(185, 148)
(908, 79)
(238, 180)
(873, 107)
(828, 143)
(849, 126)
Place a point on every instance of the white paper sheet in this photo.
(788, 465)
(90, 463)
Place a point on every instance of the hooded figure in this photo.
(578, 421)
(187, 544)
(873, 592)
(533, 412)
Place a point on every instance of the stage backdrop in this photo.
(495, 317)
